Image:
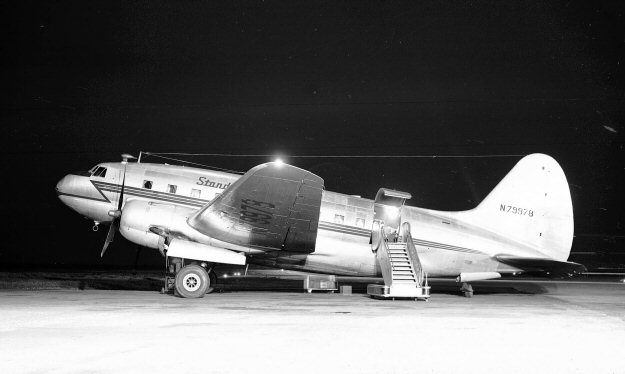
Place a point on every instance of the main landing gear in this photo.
(189, 280)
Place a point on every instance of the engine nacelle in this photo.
(139, 215)
(477, 276)
(203, 252)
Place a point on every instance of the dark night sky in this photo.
(87, 81)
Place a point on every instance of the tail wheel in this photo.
(192, 281)
(212, 278)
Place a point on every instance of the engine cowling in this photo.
(139, 215)
(477, 276)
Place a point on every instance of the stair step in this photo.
(400, 261)
(396, 274)
(400, 265)
(403, 276)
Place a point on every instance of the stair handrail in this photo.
(377, 233)
(383, 256)
(415, 262)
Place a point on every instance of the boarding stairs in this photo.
(397, 256)
(402, 272)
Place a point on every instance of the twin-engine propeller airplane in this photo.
(280, 216)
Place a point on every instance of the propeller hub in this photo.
(126, 157)
(115, 213)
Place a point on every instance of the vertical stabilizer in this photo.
(532, 205)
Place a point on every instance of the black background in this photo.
(89, 80)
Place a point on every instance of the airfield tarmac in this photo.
(507, 327)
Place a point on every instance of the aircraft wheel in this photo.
(212, 280)
(192, 281)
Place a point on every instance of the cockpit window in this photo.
(147, 184)
(99, 172)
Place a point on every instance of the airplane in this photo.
(281, 216)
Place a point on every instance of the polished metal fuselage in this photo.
(447, 245)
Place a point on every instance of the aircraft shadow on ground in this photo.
(133, 281)
(489, 288)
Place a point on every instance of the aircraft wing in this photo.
(552, 267)
(272, 207)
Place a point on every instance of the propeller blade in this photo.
(121, 192)
(110, 235)
(115, 223)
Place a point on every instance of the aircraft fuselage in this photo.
(446, 243)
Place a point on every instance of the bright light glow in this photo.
(391, 212)
(278, 162)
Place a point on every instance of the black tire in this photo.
(212, 279)
(192, 281)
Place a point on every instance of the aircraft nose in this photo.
(61, 185)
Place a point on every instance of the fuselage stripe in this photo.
(115, 188)
(195, 202)
(343, 230)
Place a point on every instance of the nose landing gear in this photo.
(96, 226)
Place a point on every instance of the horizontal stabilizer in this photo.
(544, 265)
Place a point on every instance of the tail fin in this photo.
(531, 204)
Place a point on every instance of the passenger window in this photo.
(147, 185)
(195, 193)
(360, 222)
(339, 219)
(171, 188)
